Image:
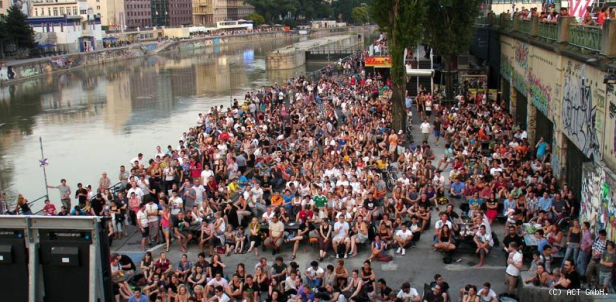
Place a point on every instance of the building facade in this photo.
(138, 13)
(160, 12)
(203, 12)
(208, 12)
(54, 8)
(237, 9)
(180, 12)
(4, 5)
(111, 12)
(566, 96)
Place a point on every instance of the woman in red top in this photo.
(165, 223)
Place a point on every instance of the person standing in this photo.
(514, 266)
(581, 262)
(152, 212)
(123, 177)
(142, 223)
(65, 193)
(598, 247)
(608, 259)
(425, 128)
(104, 183)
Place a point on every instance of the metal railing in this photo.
(548, 31)
(507, 24)
(40, 199)
(524, 26)
(586, 37)
(481, 20)
(114, 189)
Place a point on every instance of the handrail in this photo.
(586, 37)
(548, 31)
(524, 26)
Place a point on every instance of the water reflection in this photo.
(95, 119)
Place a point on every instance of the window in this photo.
(74, 10)
(35, 10)
(61, 10)
(55, 11)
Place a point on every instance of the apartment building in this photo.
(208, 12)
(138, 13)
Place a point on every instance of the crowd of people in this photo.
(306, 161)
(592, 17)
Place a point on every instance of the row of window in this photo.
(50, 27)
(56, 12)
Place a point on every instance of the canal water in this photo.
(95, 119)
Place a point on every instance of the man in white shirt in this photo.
(137, 161)
(484, 243)
(199, 192)
(314, 275)
(206, 173)
(341, 235)
(142, 224)
(514, 267)
(137, 190)
(176, 202)
(256, 203)
(152, 211)
(487, 294)
(268, 215)
(425, 128)
(408, 294)
(403, 239)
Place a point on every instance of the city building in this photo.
(112, 12)
(208, 12)
(160, 12)
(237, 9)
(69, 26)
(203, 12)
(4, 5)
(180, 12)
(54, 8)
(138, 14)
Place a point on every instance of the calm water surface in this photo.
(94, 120)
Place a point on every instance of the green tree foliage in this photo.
(256, 18)
(273, 10)
(360, 14)
(449, 30)
(312, 9)
(17, 29)
(402, 20)
(343, 9)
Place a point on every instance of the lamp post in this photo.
(230, 86)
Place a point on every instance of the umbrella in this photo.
(47, 45)
(111, 38)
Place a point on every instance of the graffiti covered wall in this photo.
(582, 108)
(598, 196)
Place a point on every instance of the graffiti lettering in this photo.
(612, 110)
(579, 115)
(597, 206)
(521, 54)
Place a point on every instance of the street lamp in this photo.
(230, 86)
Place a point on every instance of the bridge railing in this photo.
(594, 39)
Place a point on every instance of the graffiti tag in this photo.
(579, 115)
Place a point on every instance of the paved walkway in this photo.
(418, 266)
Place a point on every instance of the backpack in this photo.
(447, 260)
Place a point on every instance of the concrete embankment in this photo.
(294, 56)
(20, 70)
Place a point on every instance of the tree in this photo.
(449, 31)
(360, 14)
(273, 10)
(256, 18)
(402, 21)
(18, 30)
